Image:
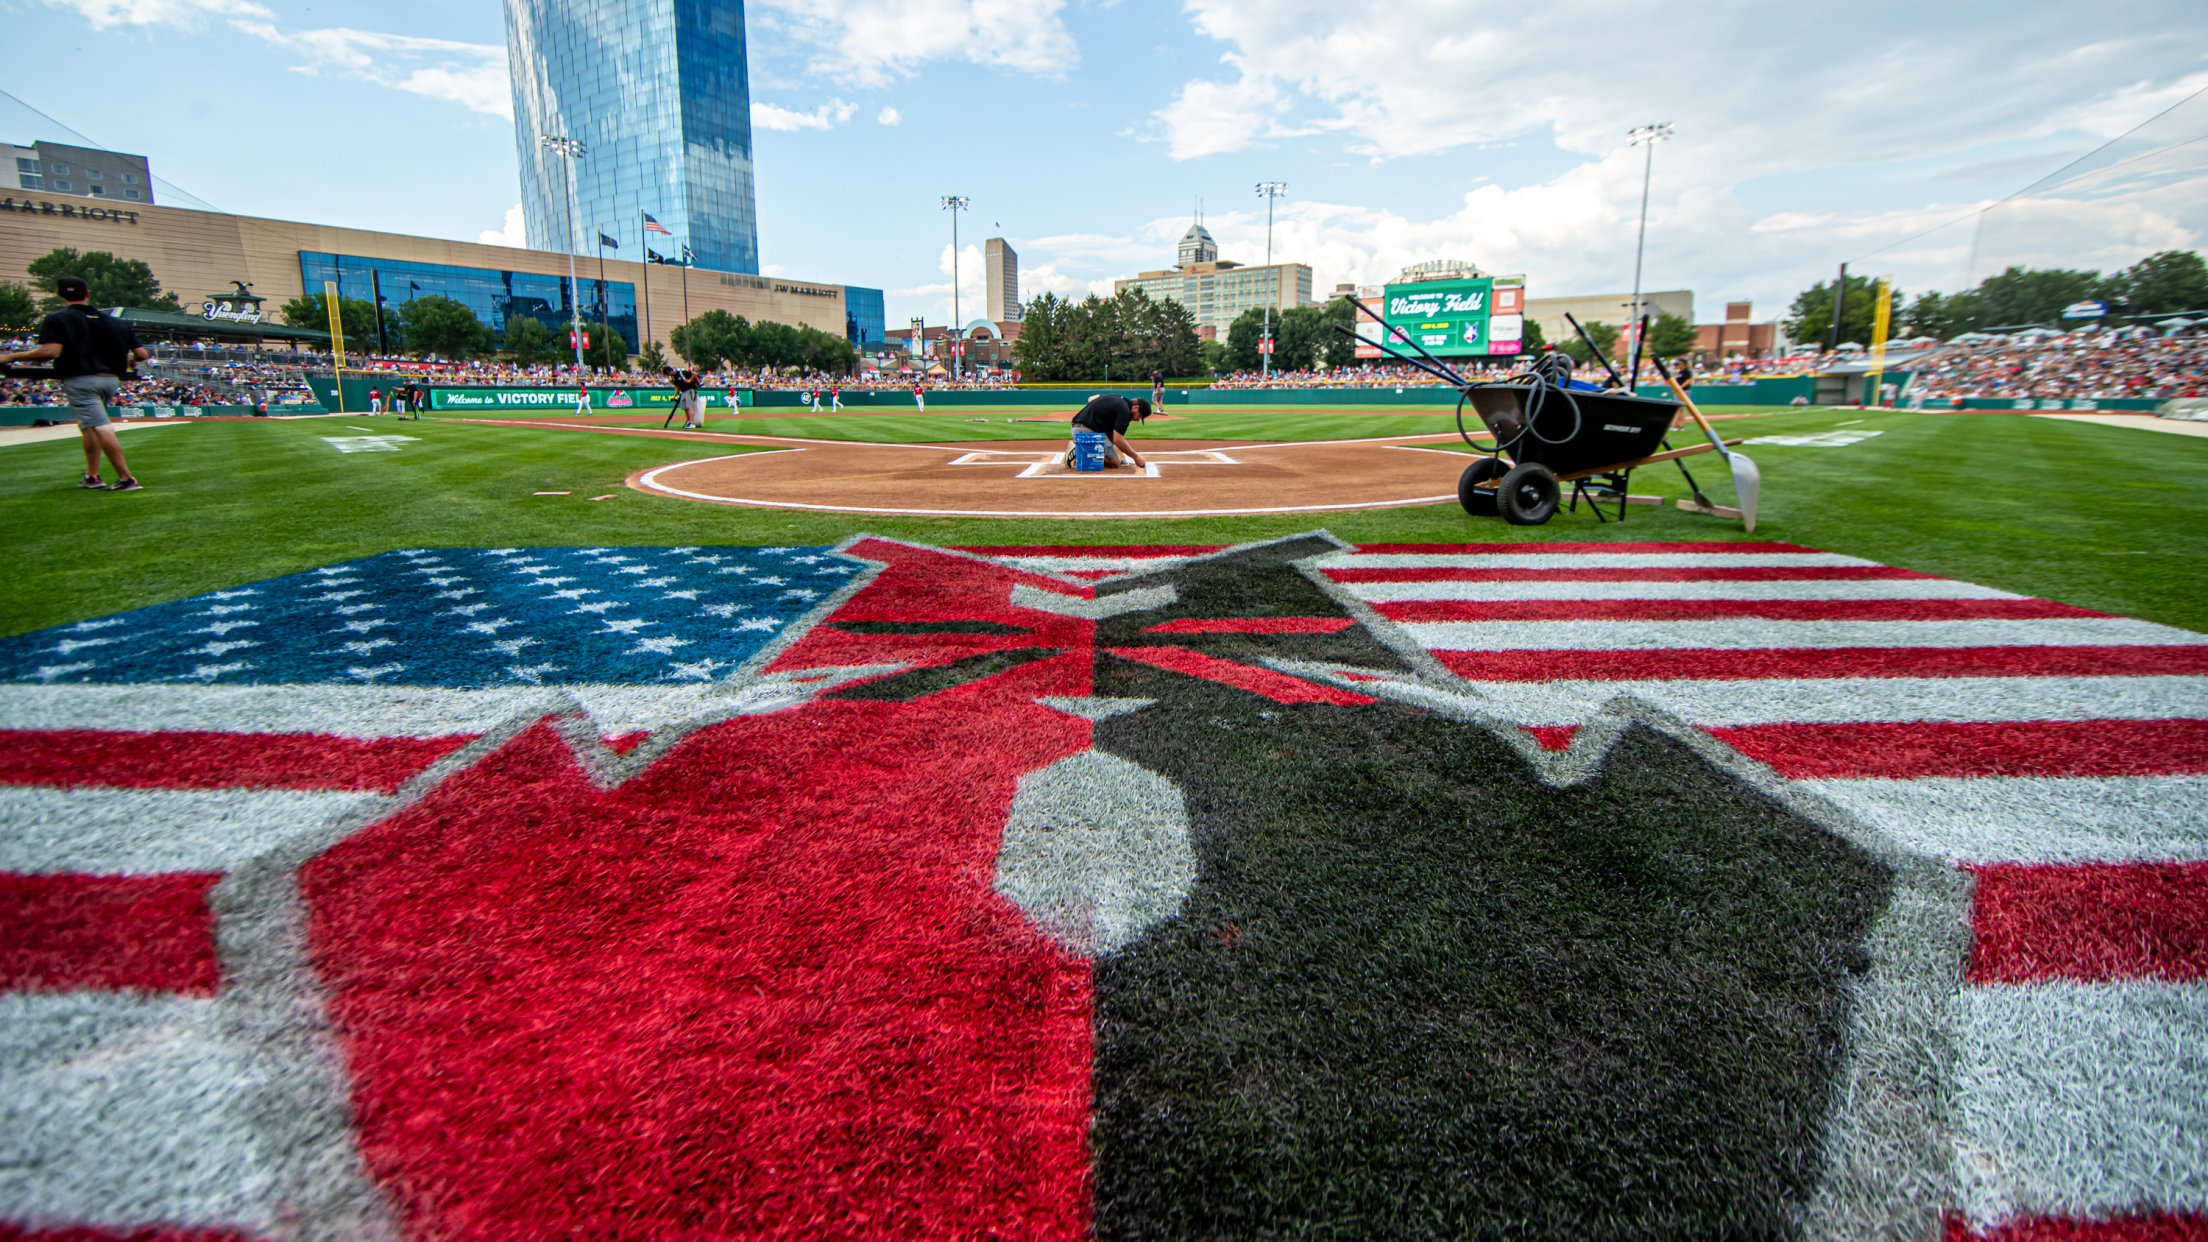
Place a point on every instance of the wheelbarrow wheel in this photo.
(1479, 501)
(1528, 494)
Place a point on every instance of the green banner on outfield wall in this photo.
(555, 399)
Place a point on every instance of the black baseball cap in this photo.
(72, 289)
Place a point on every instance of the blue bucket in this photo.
(1088, 451)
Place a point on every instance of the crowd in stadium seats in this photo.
(2133, 363)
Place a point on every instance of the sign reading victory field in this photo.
(1456, 317)
(564, 398)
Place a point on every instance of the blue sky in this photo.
(1085, 132)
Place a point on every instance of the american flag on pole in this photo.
(654, 226)
(729, 891)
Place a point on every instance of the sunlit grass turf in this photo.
(2103, 517)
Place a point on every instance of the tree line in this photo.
(2173, 280)
(1128, 334)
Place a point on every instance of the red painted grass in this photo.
(1703, 609)
(1910, 749)
(2142, 1227)
(2091, 922)
(1279, 687)
(67, 758)
(1521, 549)
(1128, 549)
(1719, 664)
(622, 744)
(70, 933)
(1705, 573)
(1253, 625)
(764, 990)
(1553, 737)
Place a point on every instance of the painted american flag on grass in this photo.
(157, 819)
(2056, 755)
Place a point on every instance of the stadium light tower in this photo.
(571, 150)
(1645, 136)
(1269, 191)
(955, 203)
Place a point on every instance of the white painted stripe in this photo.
(1816, 588)
(1591, 560)
(361, 711)
(2034, 819)
(125, 1110)
(1748, 633)
(152, 831)
(1837, 700)
(2080, 1099)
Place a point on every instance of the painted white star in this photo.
(701, 670)
(365, 648)
(370, 674)
(779, 551)
(657, 582)
(232, 594)
(447, 581)
(758, 623)
(771, 581)
(626, 625)
(461, 593)
(737, 569)
(533, 673)
(614, 560)
(704, 560)
(349, 609)
(329, 596)
(492, 626)
(463, 610)
(692, 549)
(799, 593)
(807, 560)
(69, 646)
(208, 672)
(48, 672)
(331, 571)
(502, 551)
(99, 625)
(550, 582)
(221, 610)
(634, 569)
(512, 646)
(362, 627)
(665, 644)
(216, 649)
(600, 606)
(219, 628)
(680, 595)
(573, 593)
(834, 569)
(721, 610)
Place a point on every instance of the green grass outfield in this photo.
(2103, 517)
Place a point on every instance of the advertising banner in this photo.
(1368, 328)
(1456, 317)
(549, 399)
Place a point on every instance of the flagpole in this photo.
(602, 298)
(644, 240)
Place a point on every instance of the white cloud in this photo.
(827, 116)
(890, 116)
(874, 42)
(1752, 105)
(472, 75)
(514, 233)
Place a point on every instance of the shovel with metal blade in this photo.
(1747, 480)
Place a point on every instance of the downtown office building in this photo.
(659, 94)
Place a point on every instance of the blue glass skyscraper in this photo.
(659, 93)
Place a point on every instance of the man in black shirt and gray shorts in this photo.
(1112, 415)
(92, 353)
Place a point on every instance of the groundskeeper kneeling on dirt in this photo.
(1111, 416)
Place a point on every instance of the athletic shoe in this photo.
(124, 485)
(91, 481)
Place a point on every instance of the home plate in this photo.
(1052, 465)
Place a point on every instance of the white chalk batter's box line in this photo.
(1039, 465)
